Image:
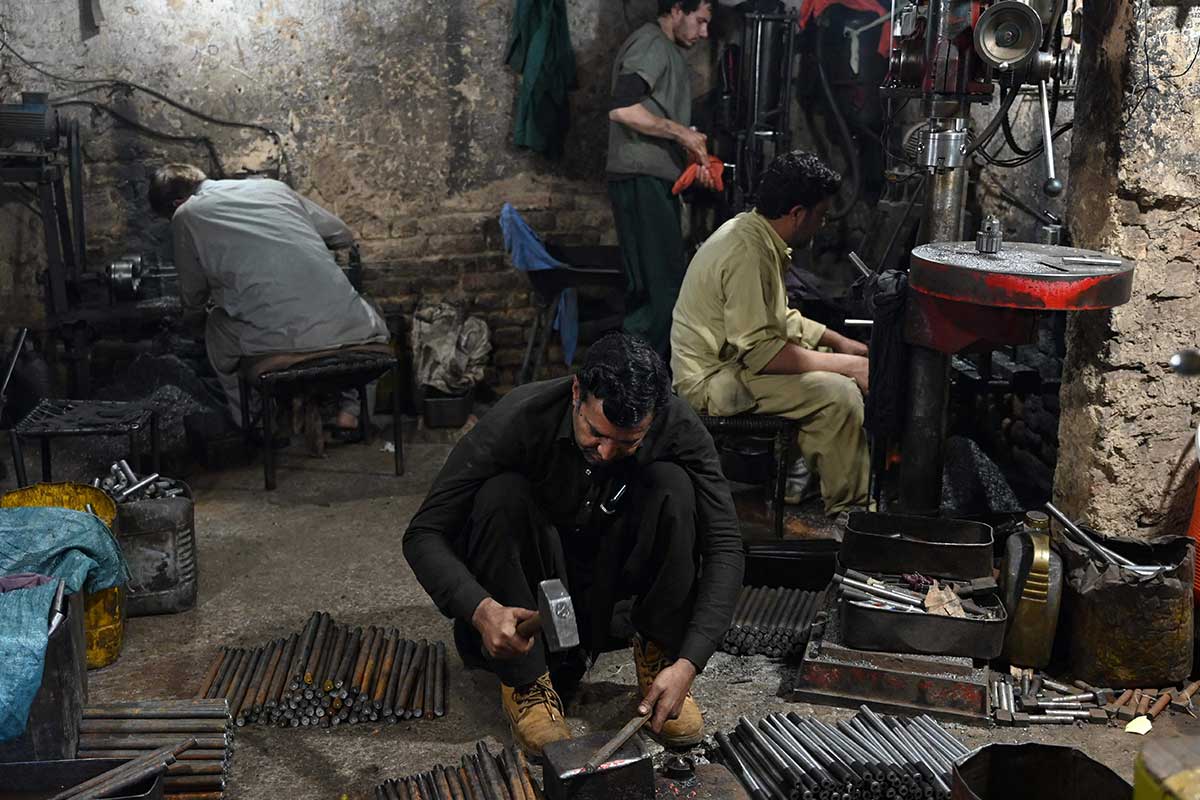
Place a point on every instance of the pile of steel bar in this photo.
(329, 674)
(482, 776)
(125, 485)
(868, 756)
(1026, 698)
(771, 622)
(140, 767)
(132, 730)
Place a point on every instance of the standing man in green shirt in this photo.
(737, 347)
(649, 144)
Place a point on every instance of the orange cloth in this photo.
(715, 167)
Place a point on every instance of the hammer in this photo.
(555, 617)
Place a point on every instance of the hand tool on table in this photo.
(555, 617)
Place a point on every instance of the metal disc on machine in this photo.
(1040, 277)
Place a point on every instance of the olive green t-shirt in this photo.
(649, 54)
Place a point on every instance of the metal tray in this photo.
(892, 544)
(38, 779)
(928, 634)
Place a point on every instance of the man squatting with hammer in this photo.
(610, 483)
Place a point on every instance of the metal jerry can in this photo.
(158, 537)
(1033, 585)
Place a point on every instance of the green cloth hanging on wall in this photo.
(540, 49)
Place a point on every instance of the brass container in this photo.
(104, 611)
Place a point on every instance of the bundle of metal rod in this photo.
(1105, 554)
(1037, 699)
(480, 776)
(772, 621)
(330, 674)
(125, 485)
(789, 757)
(132, 730)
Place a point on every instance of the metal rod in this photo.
(439, 696)
(1087, 541)
(314, 657)
(91, 725)
(307, 639)
(158, 709)
(275, 693)
(210, 674)
(429, 678)
(887, 594)
(349, 658)
(386, 665)
(360, 665)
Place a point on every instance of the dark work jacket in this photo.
(540, 49)
(529, 432)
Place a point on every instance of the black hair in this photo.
(793, 179)
(686, 6)
(628, 377)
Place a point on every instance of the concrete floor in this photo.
(329, 539)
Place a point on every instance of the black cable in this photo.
(1009, 138)
(849, 146)
(1034, 154)
(118, 83)
(886, 132)
(993, 126)
(887, 251)
(218, 167)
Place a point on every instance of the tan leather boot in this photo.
(535, 714)
(688, 728)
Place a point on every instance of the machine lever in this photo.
(1053, 186)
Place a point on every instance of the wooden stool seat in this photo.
(353, 366)
(782, 429)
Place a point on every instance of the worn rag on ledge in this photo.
(528, 253)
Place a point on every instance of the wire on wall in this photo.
(281, 169)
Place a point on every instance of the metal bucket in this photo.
(158, 537)
(46, 778)
(104, 611)
(1035, 772)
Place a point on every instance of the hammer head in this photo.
(558, 616)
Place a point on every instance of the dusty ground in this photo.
(329, 539)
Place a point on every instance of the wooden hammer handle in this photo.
(528, 627)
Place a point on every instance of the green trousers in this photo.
(651, 239)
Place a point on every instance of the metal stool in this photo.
(782, 429)
(583, 266)
(330, 370)
(55, 418)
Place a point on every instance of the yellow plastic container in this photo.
(104, 611)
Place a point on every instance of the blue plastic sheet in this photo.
(528, 253)
(24, 621)
(73, 545)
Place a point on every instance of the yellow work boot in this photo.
(688, 728)
(535, 714)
